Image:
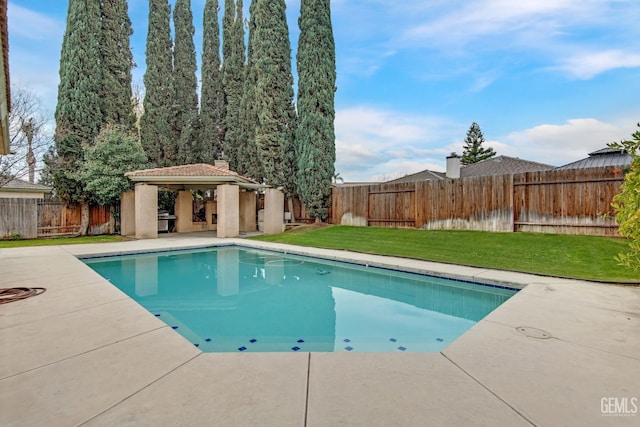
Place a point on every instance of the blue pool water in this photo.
(238, 299)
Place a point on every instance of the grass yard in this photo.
(580, 257)
(59, 241)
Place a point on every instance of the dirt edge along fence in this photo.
(574, 201)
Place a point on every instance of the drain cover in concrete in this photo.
(533, 332)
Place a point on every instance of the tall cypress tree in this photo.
(228, 19)
(249, 161)
(474, 152)
(234, 74)
(156, 130)
(273, 89)
(78, 112)
(117, 61)
(185, 86)
(315, 135)
(212, 95)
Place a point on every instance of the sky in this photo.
(547, 80)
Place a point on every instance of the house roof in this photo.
(355, 184)
(602, 158)
(499, 165)
(425, 175)
(502, 165)
(200, 175)
(19, 185)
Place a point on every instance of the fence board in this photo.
(57, 219)
(18, 218)
(557, 201)
(574, 201)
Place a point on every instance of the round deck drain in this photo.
(533, 332)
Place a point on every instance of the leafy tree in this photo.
(273, 90)
(185, 86)
(249, 163)
(474, 152)
(116, 151)
(156, 124)
(233, 76)
(117, 61)
(212, 98)
(315, 136)
(78, 111)
(627, 203)
(28, 137)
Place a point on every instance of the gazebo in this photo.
(233, 211)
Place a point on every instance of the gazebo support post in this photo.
(128, 214)
(146, 205)
(184, 212)
(248, 211)
(273, 211)
(228, 211)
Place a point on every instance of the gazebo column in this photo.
(248, 211)
(228, 211)
(273, 211)
(146, 217)
(184, 212)
(128, 214)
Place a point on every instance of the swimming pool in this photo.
(235, 299)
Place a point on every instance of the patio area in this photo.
(560, 352)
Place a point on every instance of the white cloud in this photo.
(544, 31)
(372, 144)
(561, 144)
(379, 145)
(587, 65)
(25, 23)
(35, 41)
(476, 19)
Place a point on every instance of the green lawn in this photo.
(59, 241)
(582, 257)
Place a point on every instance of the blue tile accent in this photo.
(157, 315)
(300, 341)
(243, 348)
(401, 348)
(208, 340)
(296, 348)
(439, 339)
(393, 339)
(347, 340)
(174, 327)
(348, 348)
(197, 345)
(252, 340)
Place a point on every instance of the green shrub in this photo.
(627, 203)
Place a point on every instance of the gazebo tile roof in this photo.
(198, 169)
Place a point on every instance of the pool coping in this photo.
(503, 369)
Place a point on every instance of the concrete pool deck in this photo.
(83, 353)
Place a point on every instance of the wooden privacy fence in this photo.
(574, 201)
(56, 219)
(32, 218)
(557, 201)
(18, 218)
